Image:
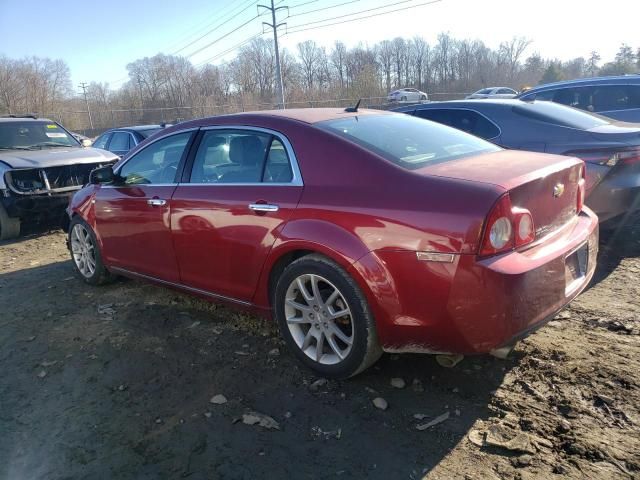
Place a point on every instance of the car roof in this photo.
(24, 119)
(633, 79)
(137, 127)
(307, 115)
(503, 102)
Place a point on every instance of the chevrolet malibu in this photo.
(358, 231)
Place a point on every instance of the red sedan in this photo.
(359, 231)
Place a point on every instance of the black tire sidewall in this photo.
(361, 318)
(101, 274)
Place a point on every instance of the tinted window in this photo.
(147, 133)
(120, 142)
(34, 135)
(230, 156)
(278, 167)
(505, 90)
(615, 97)
(406, 140)
(157, 163)
(465, 120)
(550, 112)
(101, 141)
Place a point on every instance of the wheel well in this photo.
(281, 264)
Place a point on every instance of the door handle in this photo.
(263, 207)
(156, 202)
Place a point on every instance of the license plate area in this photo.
(576, 266)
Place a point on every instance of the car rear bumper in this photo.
(474, 306)
(615, 195)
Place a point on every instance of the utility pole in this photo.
(274, 26)
(83, 86)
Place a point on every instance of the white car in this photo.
(407, 95)
(494, 92)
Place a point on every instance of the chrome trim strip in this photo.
(263, 207)
(435, 257)
(124, 271)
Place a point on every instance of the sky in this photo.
(98, 40)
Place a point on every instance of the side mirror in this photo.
(86, 142)
(102, 175)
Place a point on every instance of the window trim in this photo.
(113, 132)
(181, 164)
(469, 110)
(296, 179)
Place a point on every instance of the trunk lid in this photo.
(546, 185)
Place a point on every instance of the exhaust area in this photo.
(449, 361)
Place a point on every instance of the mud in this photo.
(116, 382)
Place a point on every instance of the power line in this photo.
(359, 18)
(214, 29)
(208, 24)
(302, 4)
(322, 9)
(230, 49)
(221, 38)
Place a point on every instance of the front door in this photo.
(243, 186)
(133, 214)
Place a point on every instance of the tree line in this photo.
(312, 75)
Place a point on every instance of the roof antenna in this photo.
(353, 109)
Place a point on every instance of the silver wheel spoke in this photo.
(299, 306)
(319, 347)
(338, 314)
(332, 298)
(334, 346)
(303, 290)
(316, 291)
(298, 320)
(307, 339)
(340, 334)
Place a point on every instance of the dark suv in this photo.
(614, 97)
(41, 165)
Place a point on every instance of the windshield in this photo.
(34, 135)
(557, 114)
(408, 141)
(147, 133)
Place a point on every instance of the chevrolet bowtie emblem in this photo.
(558, 190)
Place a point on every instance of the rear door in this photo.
(239, 189)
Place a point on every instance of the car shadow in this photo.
(121, 377)
(31, 231)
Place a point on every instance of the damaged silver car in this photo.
(41, 165)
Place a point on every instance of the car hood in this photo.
(55, 157)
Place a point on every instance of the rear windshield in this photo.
(406, 140)
(34, 135)
(147, 133)
(551, 112)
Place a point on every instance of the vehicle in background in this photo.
(121, 140)
(494, 92)
(615, 97)
(611, 150)
(41, 165)
(407, 95)
(358, 230)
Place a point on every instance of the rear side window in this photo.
(120, 142)
(230, 156)
(278, 167)
(466, 120)
(406, 140)
(615, 97)
(549, 112)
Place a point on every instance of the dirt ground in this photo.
(117, 382)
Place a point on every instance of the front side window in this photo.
(34, 135)
(157, 163)
(240, 156)
(407, 141)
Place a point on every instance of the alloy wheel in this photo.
(83, 250)
(319, 319)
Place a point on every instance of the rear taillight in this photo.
(506, 228)
(581, 189)
(610, 158)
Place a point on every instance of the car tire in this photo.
(348, 343)
(9, 227)
(85, 253)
